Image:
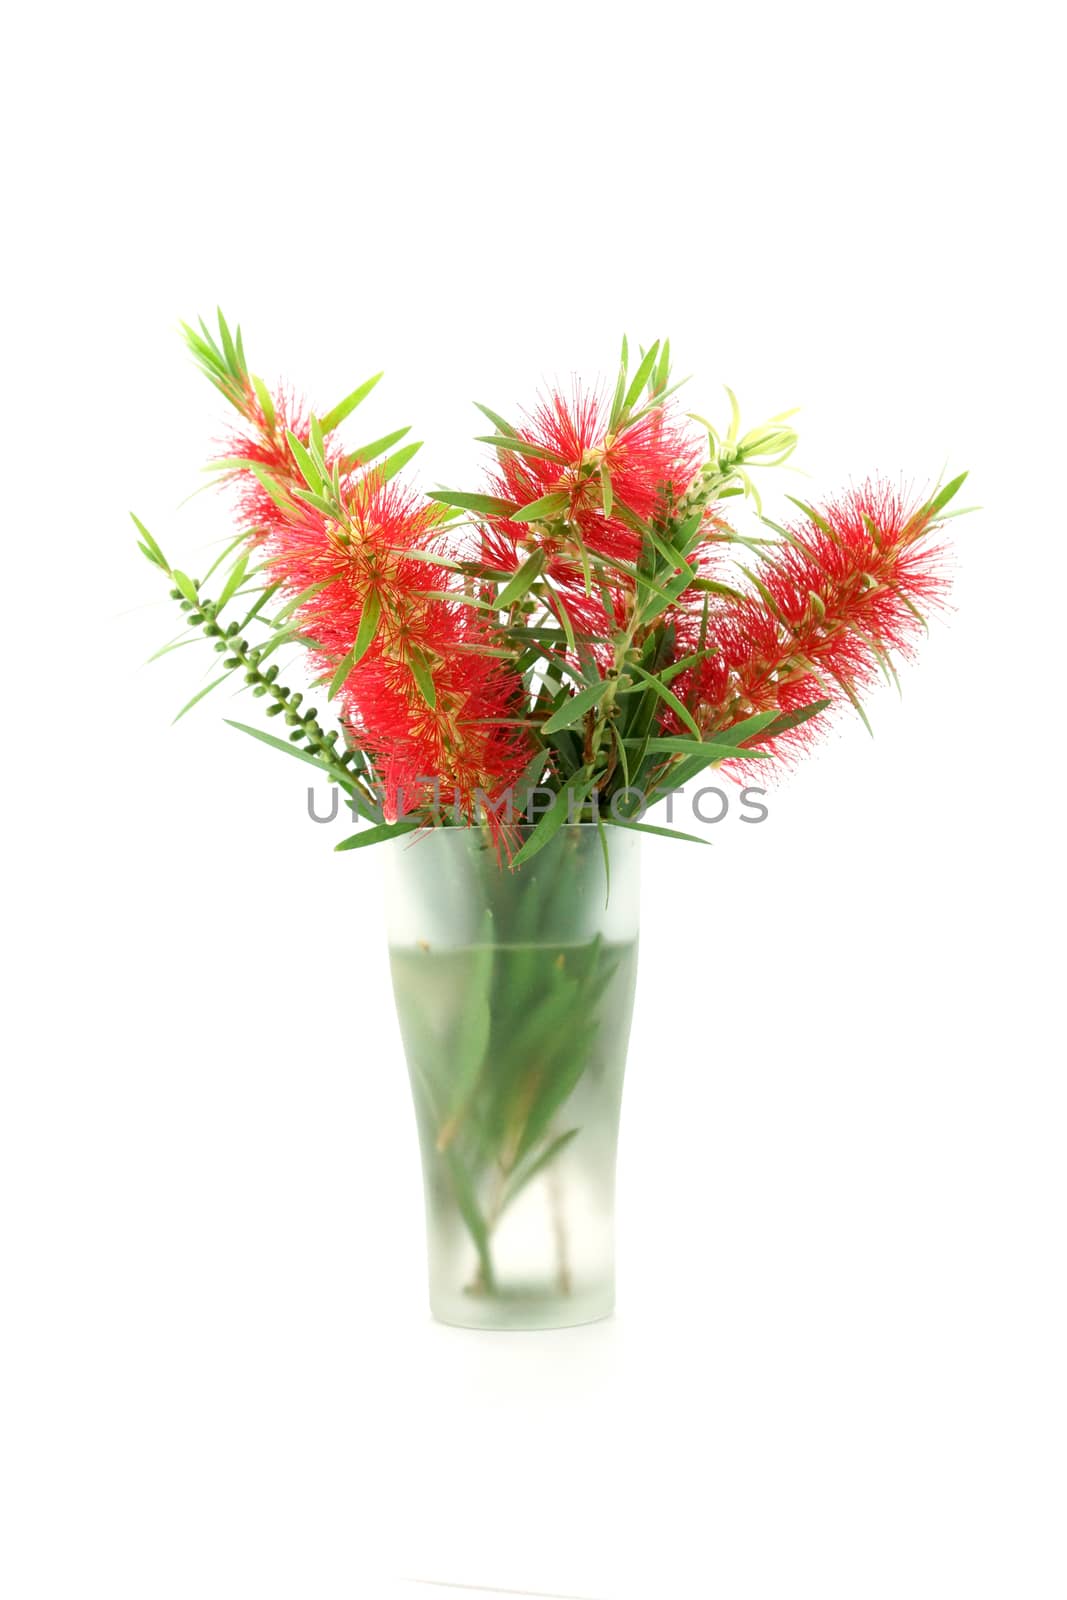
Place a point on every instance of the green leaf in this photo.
(273, 488)
(486, 505)
(668, 698)
(189, 704)
(467, 1204)
(791, 719)
(663, 368)
(522, 447)
(843, 683)
(575, 707)
(288, 749)
(472, 1036)
(317, 444)
(233, 582)
(735, 414)
(377, 835)
(344, 408)
(711, 586)
(605, 852)
(153, 551)
(367, 452)
(942, 499)
(204, 350)
(816, 517)
(606, 492)
(620, 390)
(664, 833)
(550, 823)
(175, 644)
(398, 460)
(420, 671)
(641, 376)
(667, 674)
(549, 505)
(454, 598)
(316, 500)
(497, 420)
(229, 549)
(228, 346)
(186, 586)
(561, 1085)
(521, 1179)
(705, 749)
(559, 610)
(266, 403)
(308, 470)
(299, 599)
(522, 582)
(744, 730)
(254, 611)
(368, 627)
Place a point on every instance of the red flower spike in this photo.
(641, 460)
(834, 605)
(464, 740)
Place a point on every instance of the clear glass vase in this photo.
(514, 989)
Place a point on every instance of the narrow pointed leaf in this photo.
(186, 586)
(367, 452)
(344, 408)
(266, 402)
(663, 368)
(420, 671)
(189, 704)
(942, 499)
(301, 455)
(550, 823)
(523, 1177)
(283, 745)
(300, 599)
(273, 488)
(377, 835)
(368, 627)
(664, 833)
(228, 347)
(606, 492)
(497, 420)
(670, 699)
(487, 505)
(641, 377)
(549, 505)
(228, 550)
(522, 447)
(789, 720)
(575, 707)
(705, 749)
(233, 582)
(522, 582)
(155, 553)
(397, 461)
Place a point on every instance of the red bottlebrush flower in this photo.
(265, 442)
(645, 457)
(467, 741)
(367, 554)
(834, 603)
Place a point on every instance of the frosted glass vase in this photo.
(514, 990)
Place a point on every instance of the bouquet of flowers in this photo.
(533, 663)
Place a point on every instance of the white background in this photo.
(837, 1367)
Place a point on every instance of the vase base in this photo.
(517, 1311)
